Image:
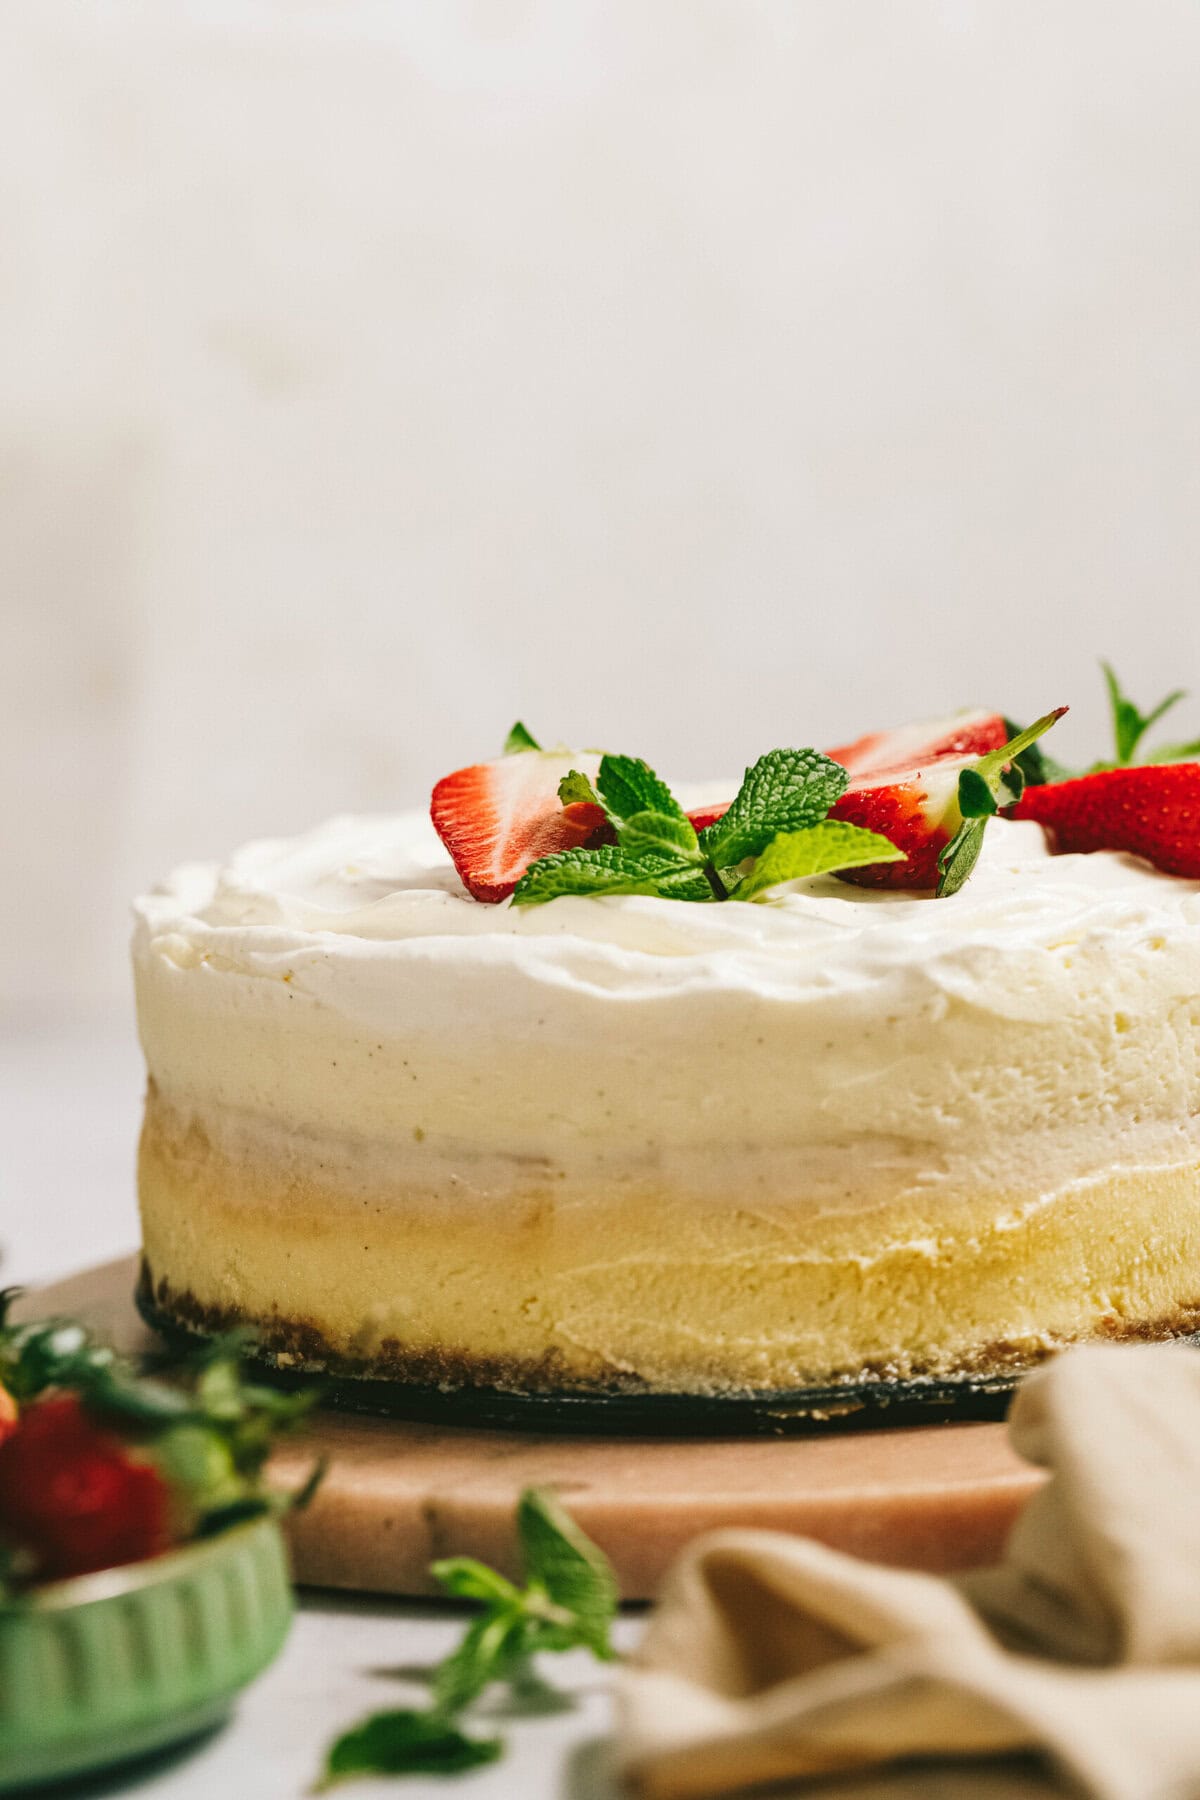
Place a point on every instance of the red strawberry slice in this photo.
(1152, 811)
(916, 746)
(703, 816)
(496, 818)
(916, 808)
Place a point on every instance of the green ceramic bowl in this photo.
(109, 1666)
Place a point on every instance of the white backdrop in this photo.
(687, 376)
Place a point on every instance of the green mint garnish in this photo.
(818, 850)
(988, 782)
(575, 787)
(784, 796)
(786, 790)
(1130, 726)
(608, 869)
(519, 738)
(568, 1601)
(628, 786)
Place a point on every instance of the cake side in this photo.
(632, 1142)
(647, 1290)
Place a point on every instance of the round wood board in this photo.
(397, 1494)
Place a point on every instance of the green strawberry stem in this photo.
(978, 792)
(995, 762)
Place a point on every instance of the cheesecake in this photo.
(618, 1143)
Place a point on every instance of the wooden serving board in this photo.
(396, 1494)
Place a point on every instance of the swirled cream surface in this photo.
(344, 983)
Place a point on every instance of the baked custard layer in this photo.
(655, 1289)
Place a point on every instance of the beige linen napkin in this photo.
(771, 1658)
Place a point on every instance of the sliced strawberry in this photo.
(703, 816)
(496, 818)
(916, 809)
(1151, 811)
(916, 746)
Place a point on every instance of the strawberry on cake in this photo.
(884, 1066)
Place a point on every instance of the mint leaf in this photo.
(628, 785)
(573, 1572)
(575, 787)
(817, 850)
(467, 1579)
(607, 869)
(519, 739)
(1129, 724)
(661, 834)
(786, 790)
(462, 1676)
(404, 1742)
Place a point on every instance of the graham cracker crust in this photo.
(297, 1346)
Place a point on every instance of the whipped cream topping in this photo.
(344, 983)
(387, 880)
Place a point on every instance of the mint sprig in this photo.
(776, 821)
(1130, 725)
(568, 1600)
(988, 782)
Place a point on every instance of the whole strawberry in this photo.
(1150, 810)
(72, 1498)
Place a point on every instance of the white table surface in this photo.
(69, 1106)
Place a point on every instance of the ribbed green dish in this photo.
(109, 1666)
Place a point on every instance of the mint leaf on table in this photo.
(817, 850)
(572, 1572)
(466, 1579)
(490, 1642)
(405, 1742)
(519, 738)
(785, 790)
(568, 1601)
(979, 789)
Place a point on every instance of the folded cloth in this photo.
(770, 1658)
